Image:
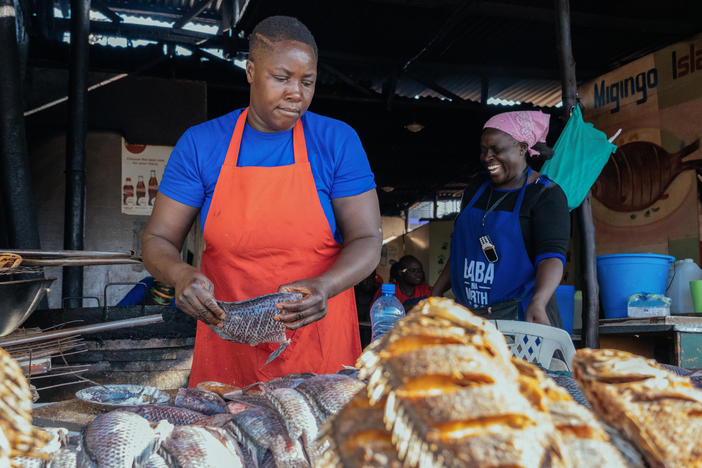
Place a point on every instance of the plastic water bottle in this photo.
(385, 312)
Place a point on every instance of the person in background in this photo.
(410, 284)
(365, 292)
(287, 202)
(509, 242)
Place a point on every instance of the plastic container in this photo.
(621, 275)
(648, 305)
(385, 311)
(565, 296)
(679, 277)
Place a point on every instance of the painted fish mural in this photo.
(639, 173)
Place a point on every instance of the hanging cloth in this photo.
(580, 154)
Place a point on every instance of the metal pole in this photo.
(83, 330)
(15, 177)
(74, 224)
(591, 304)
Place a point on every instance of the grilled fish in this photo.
(117, 439)
(173, 414)
(585, 442)
(217, 387)
(659, 411)
(202, 401)
(356, 436)
(328, 393)
(197, 447)
(452, 393)
(252, 321)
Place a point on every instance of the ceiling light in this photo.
(414, 127)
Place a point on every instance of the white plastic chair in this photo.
(537, 343)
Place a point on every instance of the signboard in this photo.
(142, 170)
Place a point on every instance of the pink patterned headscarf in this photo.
(530, 127)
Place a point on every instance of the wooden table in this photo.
(675, 339)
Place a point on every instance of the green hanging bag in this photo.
(579, 156)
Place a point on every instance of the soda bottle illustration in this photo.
(141, 192)
(153, 187)
(127, 191)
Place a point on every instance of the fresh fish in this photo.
(222, 421)
(259, 429)
(356, 436)
(156, 461)
(298, 416)
(64, 458)
(173, 414)
(202, 401)
(117, 439)
(286, 381)
(197, 447)
(328, 393)
(251, 400)
(27, 462)
(251, 321)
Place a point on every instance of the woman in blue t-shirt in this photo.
(287, 202)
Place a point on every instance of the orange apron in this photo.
(265, 228)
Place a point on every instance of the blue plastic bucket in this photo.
(565, 297)
(621, 275)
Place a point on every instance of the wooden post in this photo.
(589, 268)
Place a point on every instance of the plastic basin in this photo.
(621, 275)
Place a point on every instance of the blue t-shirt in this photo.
(339, 164)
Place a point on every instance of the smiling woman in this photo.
(509, 242)
(287, 203)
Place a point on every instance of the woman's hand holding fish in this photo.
(312, 306)
(195, 297)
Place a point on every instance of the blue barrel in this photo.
(565, 297)
(621, 275)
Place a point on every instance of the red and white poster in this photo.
(142, 170)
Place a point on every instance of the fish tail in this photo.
(276, 353)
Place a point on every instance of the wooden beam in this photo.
(588, 20)
(435, 87)
(591, 307)
(100, 7)
(192, 14)
(346, 79)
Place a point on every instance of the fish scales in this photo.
(118, 439)
(298, 416)
(173, 414)
(286, 381)
(261, 428)
(156, 461)
(202, 401)
(252, 321)
(64, 458)
(328, 393)
(197, 447)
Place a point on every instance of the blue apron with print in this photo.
(477, 282)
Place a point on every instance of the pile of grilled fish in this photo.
(443, 390)
(659, 411)
(272, 424)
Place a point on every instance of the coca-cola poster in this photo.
(142, 169)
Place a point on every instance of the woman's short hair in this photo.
(276, 29)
